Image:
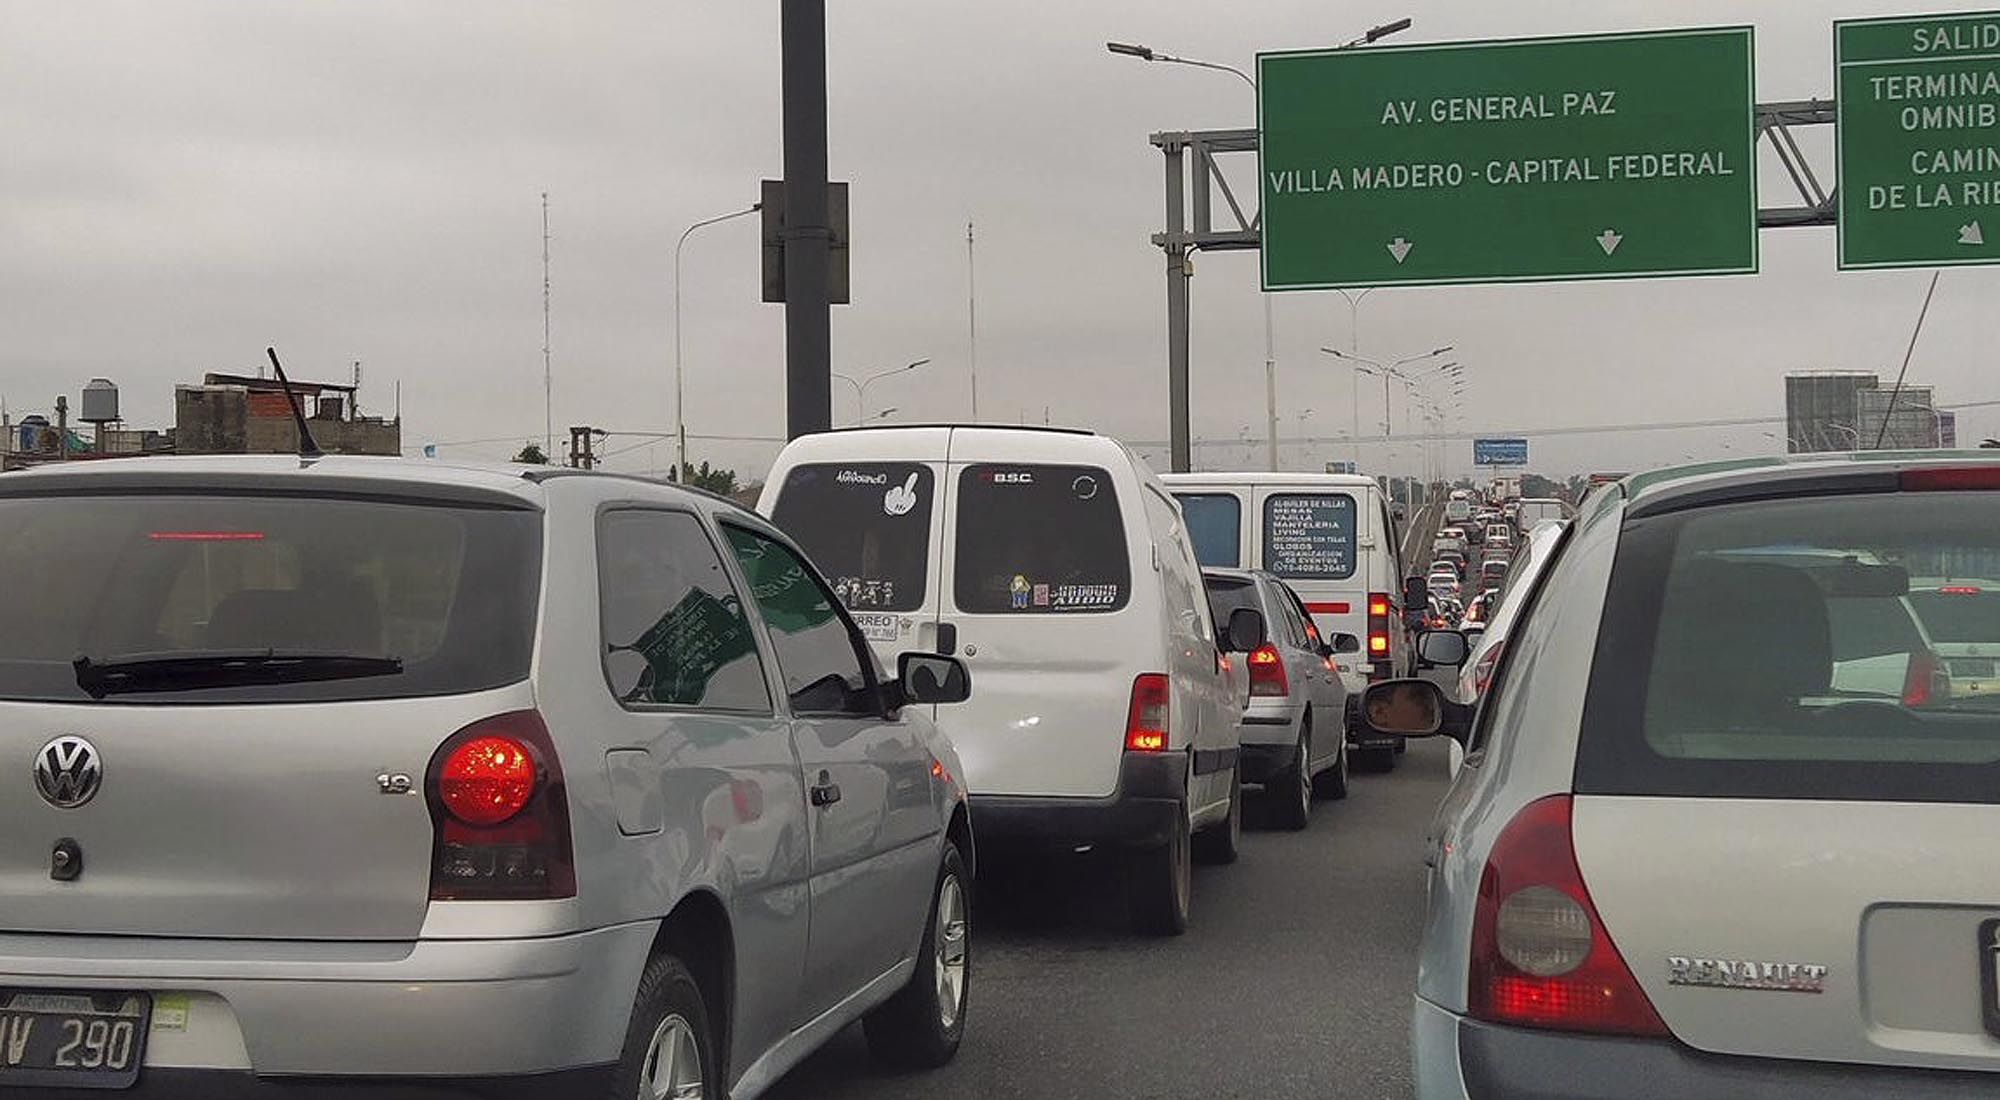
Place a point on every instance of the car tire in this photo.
(1379, 759)
(1223, 841)
(1159, 883)
(670, 1029)
(1291, 791)
(922, 1025)
(1332, 784)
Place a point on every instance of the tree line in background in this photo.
(704, 477)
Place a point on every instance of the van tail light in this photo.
(499, 813)
(1948, 478)
(1925, 681)
(1378, 626)
(1267, 672)
(1540, 955)
(1146, 722)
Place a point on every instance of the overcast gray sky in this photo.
(182, 183)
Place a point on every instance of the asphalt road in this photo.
(1294, 980)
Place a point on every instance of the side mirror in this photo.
(932, 678)
(1412, 709)
(1246, 630)
(1416, 592)
(1442, 649)
(1346, 643)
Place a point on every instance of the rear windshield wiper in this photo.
(146, 672)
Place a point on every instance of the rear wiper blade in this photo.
(193, 671)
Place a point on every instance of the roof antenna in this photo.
(308, 449)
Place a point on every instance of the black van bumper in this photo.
(1142, 812)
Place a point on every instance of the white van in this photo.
(1055, 564)
(1328, 536)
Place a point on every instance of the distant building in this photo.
(1846, 411)
(237, 414)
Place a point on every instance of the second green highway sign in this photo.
(1554, 158)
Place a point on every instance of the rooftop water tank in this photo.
(100, 402)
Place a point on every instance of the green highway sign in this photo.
(1604, 156)
(1918, 127)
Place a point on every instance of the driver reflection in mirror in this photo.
(1402, 708)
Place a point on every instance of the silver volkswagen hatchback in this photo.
(454, 782)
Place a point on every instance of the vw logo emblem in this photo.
(68, 772)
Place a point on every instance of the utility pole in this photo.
(548, 376)
(808, 237)
(972, 321)
(582, 455)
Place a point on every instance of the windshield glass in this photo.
(448, 591)
(1773, 649)
(867, 526)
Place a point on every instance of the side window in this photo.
(674, 629)
(1524, 636)
(1288, 615)
(819, 657)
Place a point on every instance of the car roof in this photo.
(1778, 477)
(1261, 477)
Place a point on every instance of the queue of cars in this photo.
(1722, 757)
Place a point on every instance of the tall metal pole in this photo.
(548, 375)
(1180, 454)
(808, 238)
(971, 321)
(1270, 387)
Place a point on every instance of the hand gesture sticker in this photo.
(900, 499)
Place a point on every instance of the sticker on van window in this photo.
(1084, 595)
(1021, 592)
(880, 627)
(899, 500)
(857, 593)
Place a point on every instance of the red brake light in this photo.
(1540, 954)
(207, 536)
(1147, 721)
(1267, 672)
(500, 814)
(1961, 590)
(1946, 479)
(1378, 605)
(487, 780)
(1328, 608)
(1925, 681)
(1378, 643)
(1378, 624)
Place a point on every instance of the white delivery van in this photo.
(1328, 536)
(1107, 713)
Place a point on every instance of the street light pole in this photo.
(1147, 53)
(680, 406)
(861, 387)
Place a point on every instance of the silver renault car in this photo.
(453, 782)
(1721, 825)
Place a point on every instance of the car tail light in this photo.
(1540, 954)
(1146, 723)
(1925, 681)
(500, 814)
(1482, 669)
(1950, 478)
(1378, 624)
(1961, 590)
(1267, 672)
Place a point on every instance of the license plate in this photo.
(1989, 974)
(72, 1038)
(1976, 669)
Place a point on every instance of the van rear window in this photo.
(1781, 650)
(173, 583)
(1040, 539)
(1215, 526)
(867, 526)
(1309, 536)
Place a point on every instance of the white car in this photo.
(1056, 565)
(1686, 864)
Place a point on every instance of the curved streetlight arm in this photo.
(680, 414)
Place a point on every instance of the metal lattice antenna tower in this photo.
(548, 375)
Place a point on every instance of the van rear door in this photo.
(1316, 541)
(872, 526)
(1040, 580)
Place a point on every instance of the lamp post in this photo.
(1362, 365)
(1147, 53)
(861, 387)
(680, 405)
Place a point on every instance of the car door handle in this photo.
(825, 792)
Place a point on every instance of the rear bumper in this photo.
(207, 1084)
(1461, 1059)
(1151, 794)
(429, 1009)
